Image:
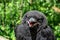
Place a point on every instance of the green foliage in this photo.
(12, 11)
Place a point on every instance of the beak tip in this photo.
(32, 20)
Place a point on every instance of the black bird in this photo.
(34, 26)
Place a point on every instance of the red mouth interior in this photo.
(32, 23)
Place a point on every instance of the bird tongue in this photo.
(31, 23)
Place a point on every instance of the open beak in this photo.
(31, 22)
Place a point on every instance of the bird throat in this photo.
(33, 31)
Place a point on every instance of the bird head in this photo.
(34, 18)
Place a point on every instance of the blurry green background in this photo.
(12, 11)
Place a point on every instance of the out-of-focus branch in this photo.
(56, 9)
